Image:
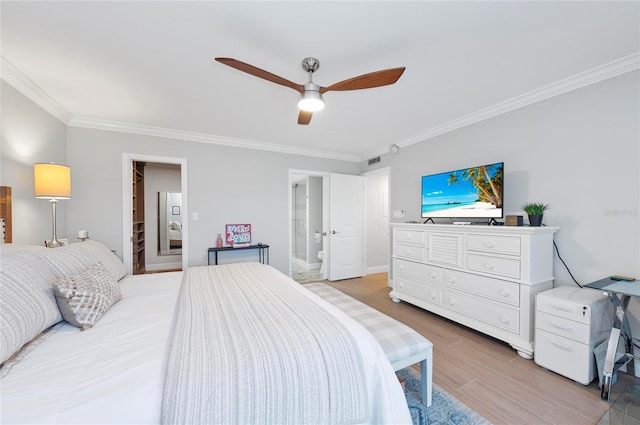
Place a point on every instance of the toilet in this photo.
(320, 258)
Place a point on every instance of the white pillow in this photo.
(28, 305)
(73, 259)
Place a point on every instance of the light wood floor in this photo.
(486, 374)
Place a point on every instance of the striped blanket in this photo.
(249, 347)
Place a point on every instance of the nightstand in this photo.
(569, 323)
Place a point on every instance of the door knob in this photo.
(333, 232)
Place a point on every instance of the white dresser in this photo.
(484, 277)
(570, 323)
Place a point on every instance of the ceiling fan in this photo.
(310, 93)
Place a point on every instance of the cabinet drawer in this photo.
(494, 265)
(413, 252)
(560, 326)
(564, 356)
(563, 308)
(418, 271)
(492, 314)
(499, 290)
(418, 289)
(410, 236)
(498, 244)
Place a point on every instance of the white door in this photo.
(346, 226)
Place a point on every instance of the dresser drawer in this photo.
(418, 271)
(410, 236)
(412, 252)
(418, 289)
(567, 309)
(498, 244)
(494, 265)
(499, 290)
(492, 314)
(575, 331)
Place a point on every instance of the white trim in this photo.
(127, 203)
(27, 87)
(574, 82)
(163, 266)
(379, 269)
(146, 130)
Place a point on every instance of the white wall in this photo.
(579, 152)
(31, 135)
(226, 185)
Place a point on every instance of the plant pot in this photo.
(535, 220)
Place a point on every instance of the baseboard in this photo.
(163, 266)
(378, 269)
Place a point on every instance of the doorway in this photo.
(307, 227)
(143, 219)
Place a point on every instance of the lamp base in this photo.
(56, 243)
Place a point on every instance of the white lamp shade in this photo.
(311, 101)
(52, 181)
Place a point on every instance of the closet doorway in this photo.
(154, 213)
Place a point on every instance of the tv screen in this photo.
(474, 192)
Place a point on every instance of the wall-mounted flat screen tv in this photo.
(474, 192)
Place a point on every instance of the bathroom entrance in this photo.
(307, 228)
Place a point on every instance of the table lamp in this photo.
(53, 182)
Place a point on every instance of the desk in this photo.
(263, 252)
(620, 293)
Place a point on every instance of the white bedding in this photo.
(59, 382)
(114, 372)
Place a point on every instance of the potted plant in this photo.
(535, 211)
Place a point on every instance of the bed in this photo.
(175, 235)
(120, 368)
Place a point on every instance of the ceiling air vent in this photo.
(374, 160)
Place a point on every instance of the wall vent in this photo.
(374, 160)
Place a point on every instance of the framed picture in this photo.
(238, 234)
(175, 210)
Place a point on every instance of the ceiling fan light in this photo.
(311, 101)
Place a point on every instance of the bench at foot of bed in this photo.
(402, 345)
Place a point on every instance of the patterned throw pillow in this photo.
(84, 298)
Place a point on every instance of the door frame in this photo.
(127, 203)
(325, 215)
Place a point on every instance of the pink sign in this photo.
(238, 234)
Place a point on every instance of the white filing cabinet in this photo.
(570, 323)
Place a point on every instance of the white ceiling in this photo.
(148, 67)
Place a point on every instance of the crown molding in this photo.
(168, 133)
(26, 86)
(574, 82)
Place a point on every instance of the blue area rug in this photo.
(444, 409)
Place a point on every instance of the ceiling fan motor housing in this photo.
(310, 64)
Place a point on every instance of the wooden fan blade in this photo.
(260, 73)
(304, 117)
(367, 81)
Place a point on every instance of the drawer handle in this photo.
(488, 244)
(451, 301)
(407, 253)
(505, 320)
(432, 296)
(432, 275)
(562, 308)
(400, 284)
(400, 267)
(505, 293)
(562, 328)
(452, 279)
(489, 266)
(562, 346)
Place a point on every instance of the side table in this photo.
(263, 252)
(619, 293)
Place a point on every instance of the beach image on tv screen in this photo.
(467, 193)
